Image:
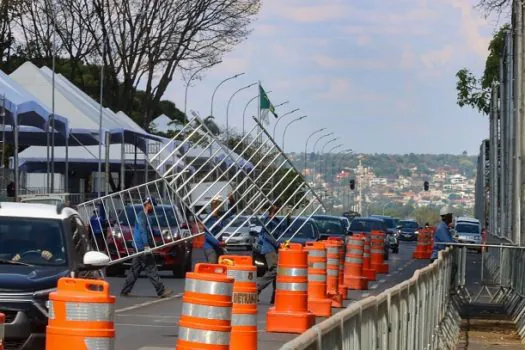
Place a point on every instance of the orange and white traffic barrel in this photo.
(377, 252)
(318, 302)
(2, 330)
(354, 278)
(421, 250)
(368, 271)
(290, 313)
(430, 242)
(81, 316)
(205, 320)
(244, 299)
(332, 272)
(343, 291)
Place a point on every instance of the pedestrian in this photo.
(442, 234)
(213, 248)
(268, 246)
(146, 261)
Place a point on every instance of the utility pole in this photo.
(518, 119)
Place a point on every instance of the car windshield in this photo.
(306, 230)
(164, 216)
(467, 228)
(361, 225)
(330, 226)
(25, 239)
(408, 224)
(390, 223)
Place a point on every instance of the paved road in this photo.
(146, 323)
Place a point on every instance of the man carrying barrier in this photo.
(213, 248)
(267, 246)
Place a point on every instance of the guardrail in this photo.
(415, 314)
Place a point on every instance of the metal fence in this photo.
(416, 314)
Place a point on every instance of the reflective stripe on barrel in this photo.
(292, 271)
(206, 311)
(292, 286)
(244, 320)
(204, 336)
(208, 287)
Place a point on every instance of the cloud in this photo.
(331, 62)
(341, 90)
(435, 59)
(321, 11)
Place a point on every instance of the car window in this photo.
(408, 224)
(164, 216)
(330, 226)
(28, 237)
(361, 225)
(467, 228)
(306, 231)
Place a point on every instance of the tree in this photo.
(138, 42)
(475, 92)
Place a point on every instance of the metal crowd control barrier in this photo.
(254, 172)
(112, 220)
(412, 315)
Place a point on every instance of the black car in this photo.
(331, 226)
(407, 230)
(39, 244)
(368, 224)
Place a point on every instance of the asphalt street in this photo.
(144, 322)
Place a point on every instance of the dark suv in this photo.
(39, 244)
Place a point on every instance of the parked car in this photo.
(241, 227)
(27, 276)
(468, 232)
(391, 231)
(176, 257)
(331, 226)
(368, 224)
(406, 230)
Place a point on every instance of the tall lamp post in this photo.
(228, 109)
(306, 145)
(329, 152)
(218, 86)
(322, 152)
(278, 119)
(315, 153)
(290, 123)
(189, 82)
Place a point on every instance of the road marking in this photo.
(382, 280)
(373, 286)
(388, 275)
(364, 295)
(148, 303)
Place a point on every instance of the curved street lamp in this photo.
(306, 145)
(278, 119)
(322, 151)
(228, 108)
(189, 82)
(315, 153)
(246, 107)
(329, 152)
(290, 123)
(218, 86)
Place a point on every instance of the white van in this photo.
(468, 230)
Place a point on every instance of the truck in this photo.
(201, 194)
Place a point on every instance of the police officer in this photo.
(268, 246)
(213, 248)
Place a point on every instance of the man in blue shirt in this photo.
(213, 248)
(146, 261)
(268, 246)
(442, 234)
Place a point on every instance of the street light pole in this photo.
(290, 123)
(278, 119)
(322, 152)
(189, 82)
(315, 153)
(306, 146)
(330, 152)
(246, 107)
(228, 109)
(218, 86)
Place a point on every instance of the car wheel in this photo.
(116, 270)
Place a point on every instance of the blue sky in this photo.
(380, 74)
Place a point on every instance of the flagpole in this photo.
(259, 110)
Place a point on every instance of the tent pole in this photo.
(108, 172)
(15, 151)
(122, 163)
(146, 162)
(66, 170)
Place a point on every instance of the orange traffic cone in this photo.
(368, 271)
(354, 278)
(377, 250)
(290, 313)
(244, 299)
(205, 320)
(318, 302)
(81, 314)
(332, 272)
(430, 242)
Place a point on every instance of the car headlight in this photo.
(416, 232)
(116, 233)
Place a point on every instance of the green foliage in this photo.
(475, 92)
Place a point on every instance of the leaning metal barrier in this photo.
(410, 315)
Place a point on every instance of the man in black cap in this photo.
(144, 262)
